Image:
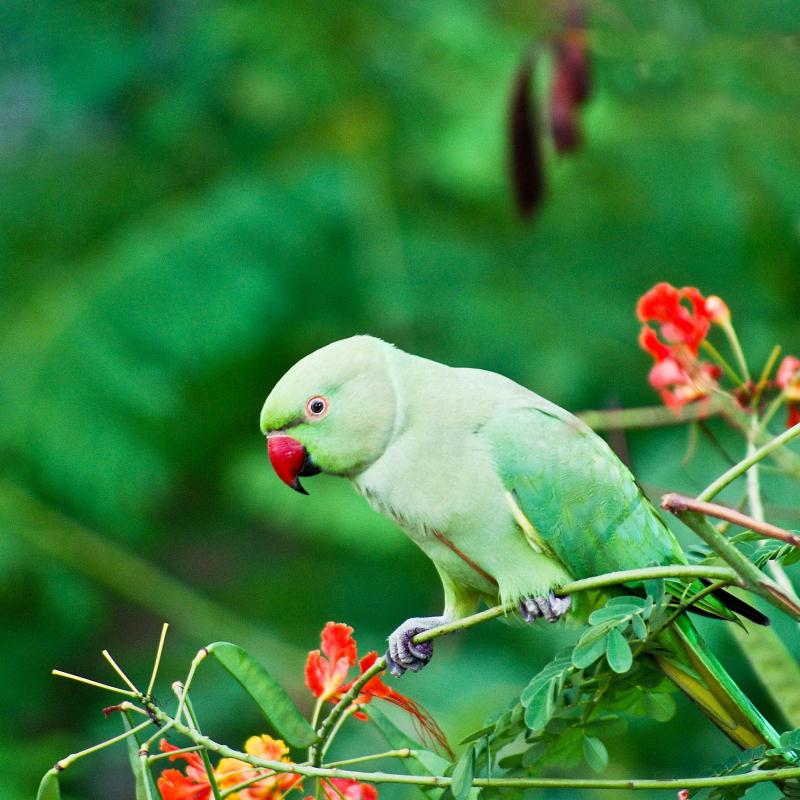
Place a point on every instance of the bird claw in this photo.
(403, 654)
(550, 607)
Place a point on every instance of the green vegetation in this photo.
(194, 196)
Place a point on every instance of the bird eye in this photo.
(317, 406)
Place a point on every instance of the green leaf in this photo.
(618, 652)
(595, 753)
(270, 697)
(627, 600)
(541, 707)
(49, 788)
(132, 744)
(660, 707)
(655, 589)
(612, 614)
(588, 650)
(609, 725)
(639, 627)
(422, 762)
(464, 774)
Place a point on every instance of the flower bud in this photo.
(718, 310)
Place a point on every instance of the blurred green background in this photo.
(196, 194)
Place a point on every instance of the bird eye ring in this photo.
(317, 407)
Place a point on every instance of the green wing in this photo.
(582, 501)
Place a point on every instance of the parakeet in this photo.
(508, 494)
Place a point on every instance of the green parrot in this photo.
(508, 494)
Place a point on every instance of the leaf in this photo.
(422, 761)
(595, 753)
(132, 745)
(49, 788)
(588, 650)
(541, 707)
(609, 725)
(464, 774)
(618, 652)
(660, 707)
(270, 697)
(627, 600)
(639, 627)
(612, 614)
(655, 589)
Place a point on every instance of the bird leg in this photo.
(551, 607)
(403, 654)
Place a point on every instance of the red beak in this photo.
(289, 459)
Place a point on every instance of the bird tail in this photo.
(687, 661)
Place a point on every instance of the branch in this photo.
(310, 771)
(751, 577)
(735, 517)
(595, 582)
(649, 416)
(713, 489)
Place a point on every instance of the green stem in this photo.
(722, 361)
(310, 771)
(751, 576)
(737, 470)
(585, 584)
(212, 781)
(649, 416)
(159, 756)
(736, 346)
(405, 752)
(65, 762)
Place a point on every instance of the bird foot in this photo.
(552, 607)
(403, 654)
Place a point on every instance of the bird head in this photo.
(332, 412)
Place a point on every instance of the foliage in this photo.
(194, 197)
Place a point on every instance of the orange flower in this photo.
(194, 785)
(678, 374)
(326, 674)
(788, 379)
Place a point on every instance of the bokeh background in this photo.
(193, 195)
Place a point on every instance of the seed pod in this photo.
(525, 157)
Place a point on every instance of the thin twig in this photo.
(714, 488)
(649, 416)
(751, 577)
(118, 669)
(90, 682)
(735, 517)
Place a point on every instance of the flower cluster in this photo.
(326, 675)
(326, 678)
(195, 785)
(684, 317)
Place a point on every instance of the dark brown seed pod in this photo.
(525, 156)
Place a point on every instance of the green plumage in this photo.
(508, 494)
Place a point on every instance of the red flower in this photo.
(788, 379)
(174, 785)
(350, 790)
(678, 373)
(326, 672)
